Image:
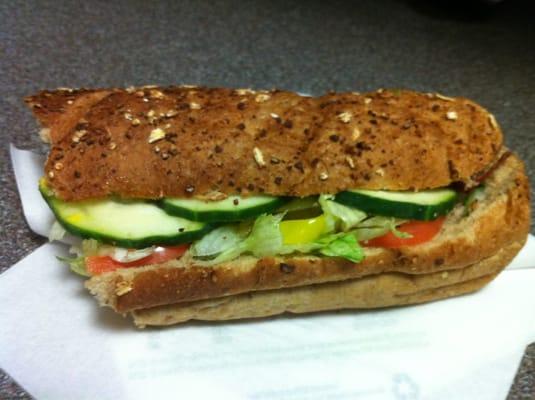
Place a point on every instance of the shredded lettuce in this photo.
(218, 241)
(398, 233)
(345, 228)
(77, 264)
(340, 244)
(378, 226)
(345, 219)
(265, 239)
(345, 246)
(123, 255)
(90, 247)
(340, 216)
(57, 232)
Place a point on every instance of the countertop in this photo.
(458, 48)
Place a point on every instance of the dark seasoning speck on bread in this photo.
(206, 143)
(195, 141)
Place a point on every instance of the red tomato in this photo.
(99, 264)
(421, 231)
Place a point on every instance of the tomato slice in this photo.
(96, 265)
(421, 231)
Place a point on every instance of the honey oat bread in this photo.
(215, 204)
(153, 142)
(500, 219)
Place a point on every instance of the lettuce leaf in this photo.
(265, 239)
(226, 243)
(77, 264)
(378, 226)
(57, 232)
(346, 226)
(123, 255)
(345, 246)
(217, 241)
(91, 247)
(340, 244)
(340, 216)
(87, 247)
(344, 218)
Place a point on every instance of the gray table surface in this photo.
(457, 48)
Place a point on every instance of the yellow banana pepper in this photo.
(299, 231)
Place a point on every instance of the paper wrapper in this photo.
(58, 344)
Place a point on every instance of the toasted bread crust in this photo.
(276, 142)
(500, 219)
(374, 291)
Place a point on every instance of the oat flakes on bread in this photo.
(276, 142)
(204, 144)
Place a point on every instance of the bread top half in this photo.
(152, 142)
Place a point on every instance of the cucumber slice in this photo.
(130, 224)
(424, 205)
(233, 208)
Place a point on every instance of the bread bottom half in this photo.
(375, 291)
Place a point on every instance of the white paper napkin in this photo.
(28, 168)
(58, 344)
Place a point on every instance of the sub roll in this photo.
(216, 204)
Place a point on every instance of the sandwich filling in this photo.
(120, 233)
(211, 174)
